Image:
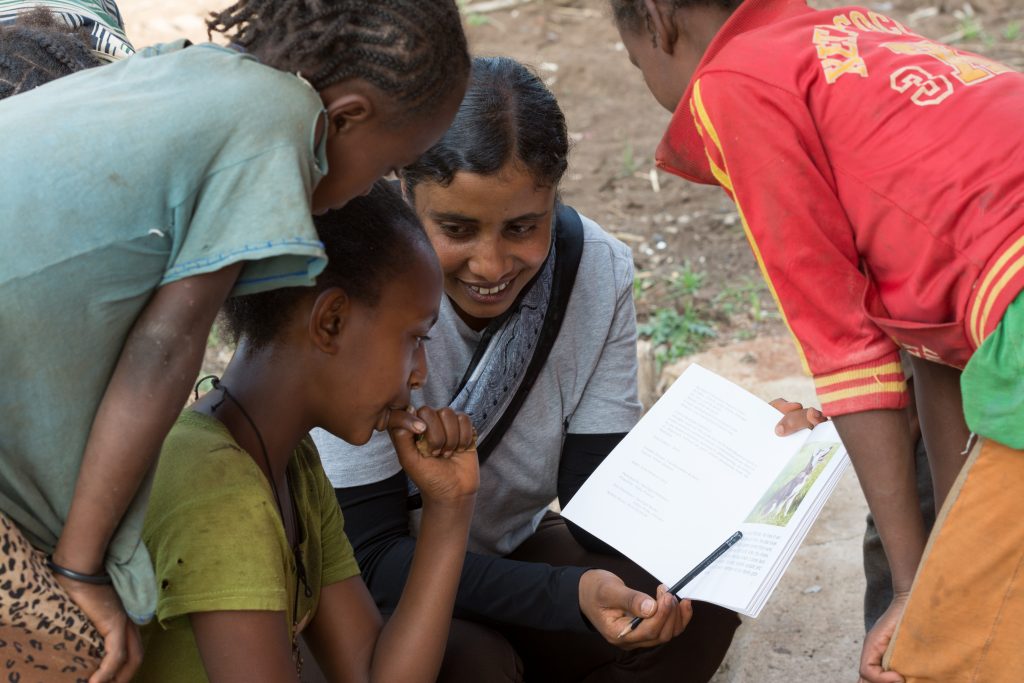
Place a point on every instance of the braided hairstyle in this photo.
(632, 15)
(412, 50)
(369, 241)
(507, 113)
(38, 48)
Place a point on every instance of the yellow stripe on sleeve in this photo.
(865, 390)
(892, 368)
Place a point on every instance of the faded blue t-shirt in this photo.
(171, 163)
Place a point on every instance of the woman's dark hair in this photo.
(369, 241)
(507, 113)
(412, 50)
(632, 14)
(38, 48)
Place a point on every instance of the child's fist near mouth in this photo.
(437, 450)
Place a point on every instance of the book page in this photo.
(775, 526)
(687, 476)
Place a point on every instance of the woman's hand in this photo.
(795, 417)
(610, 606)
(877, 642)
(437, 449)
(122, 646)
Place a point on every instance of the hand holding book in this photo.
(705, 461)
(795, 417)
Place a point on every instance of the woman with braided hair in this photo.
(135, 199)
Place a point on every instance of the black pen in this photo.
(691, 575)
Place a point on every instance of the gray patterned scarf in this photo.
(504, 353)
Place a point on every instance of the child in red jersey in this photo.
(880, 180)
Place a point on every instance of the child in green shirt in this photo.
(243, 526)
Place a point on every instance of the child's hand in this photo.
(610, 606)
(796, 417)
(437, 449)
(876, 642)
(122, 645)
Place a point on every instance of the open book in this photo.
(703, 463)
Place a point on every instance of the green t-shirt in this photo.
(116, 180)
(217, 542)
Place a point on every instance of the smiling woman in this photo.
(536, 342)
(492, 234)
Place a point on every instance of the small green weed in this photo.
(628, 161)
(685, 281)
(676, 334)
(641, 283)
(971, 29)
(746, 298)
(1012, 31)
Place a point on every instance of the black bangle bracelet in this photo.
(94, 579)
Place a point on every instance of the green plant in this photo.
(641, 284)
(747, 298)
(685, 281)
(628, 161)
(676, 334)
(971, 30)
(754, 301)
(477, 19)
(1012, 31)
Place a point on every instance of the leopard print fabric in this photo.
(44, 636)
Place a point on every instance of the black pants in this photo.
(479, 653)
(489, 653)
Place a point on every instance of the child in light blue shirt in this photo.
(136, 197)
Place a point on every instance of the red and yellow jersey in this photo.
(879, 177)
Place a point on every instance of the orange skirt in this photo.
(964, 622)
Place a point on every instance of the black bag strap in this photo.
(568, 252)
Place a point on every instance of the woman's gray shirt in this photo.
(587, 386)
